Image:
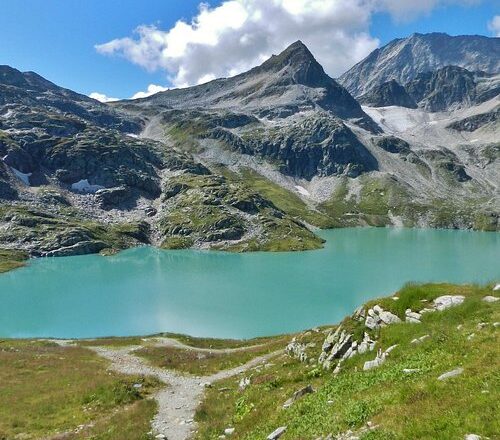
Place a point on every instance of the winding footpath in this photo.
(181, 395)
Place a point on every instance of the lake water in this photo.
(146, 290)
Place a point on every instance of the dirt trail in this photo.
(178, 400)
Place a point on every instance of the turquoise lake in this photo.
(146, 290)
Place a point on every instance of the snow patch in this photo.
(23, 177)
(85, 187)
(397, 119)
(302, 190)
(132, 135)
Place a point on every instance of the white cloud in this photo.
(102, 97)
(494, 25)
(405, 10)
(151, 90)
(239, 34)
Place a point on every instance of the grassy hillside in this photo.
(401, 405)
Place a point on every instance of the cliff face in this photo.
(403, 59)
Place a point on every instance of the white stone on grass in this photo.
(452, 373)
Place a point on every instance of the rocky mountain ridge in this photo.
(403, 59)
(239, 163)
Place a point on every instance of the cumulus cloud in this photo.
(239, 34)
(151, 90)
(102, 97)
(494, 25)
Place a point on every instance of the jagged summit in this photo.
(403, 59)
(283, 85)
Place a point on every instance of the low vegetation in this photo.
(11, 259)
(206, 362)
(49, 390)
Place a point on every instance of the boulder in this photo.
(490, 299)
(447, 301)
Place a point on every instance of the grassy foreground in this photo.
(401, 405)
(48, 391)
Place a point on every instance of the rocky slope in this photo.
(250, 162)
(445, 89)
(403, 59)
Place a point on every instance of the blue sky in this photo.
(57, 38)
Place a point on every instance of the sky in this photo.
(124, 48)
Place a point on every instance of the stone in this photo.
(372, 323)
(277, 433)
(244, 383)
(410, 370)
(490, 299)
(229, 431)
(447, 301)
(497, 287)
(298, 394)
(472, 437)
(420, 339)
(452, 373)
(389, 318)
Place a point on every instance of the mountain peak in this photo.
(404, 59)
(297, 54)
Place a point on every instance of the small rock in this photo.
(452, 373)
(460, 327)
(472, 437)
(229, 431)
(276, 434)
(244, 383)
(471, 336)
(490, 299)
(419, 340)
(389, 318)
(298, 394)
(161, 436)
(481, 325)
(411, 370)
(497, 287)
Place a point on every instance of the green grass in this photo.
(47, 389)
(404, 406)
(12, 259)
(285, 200)
(221, 343)
(204, 363)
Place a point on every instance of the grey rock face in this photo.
(403, 59)
(316, 146)
(283, 85)
(388, 93)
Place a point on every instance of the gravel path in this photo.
(178, 400)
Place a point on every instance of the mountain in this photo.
(252, 162)
(283, 85)
(25, 91)
(448, 88)
(388, 93)
(403, 59)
